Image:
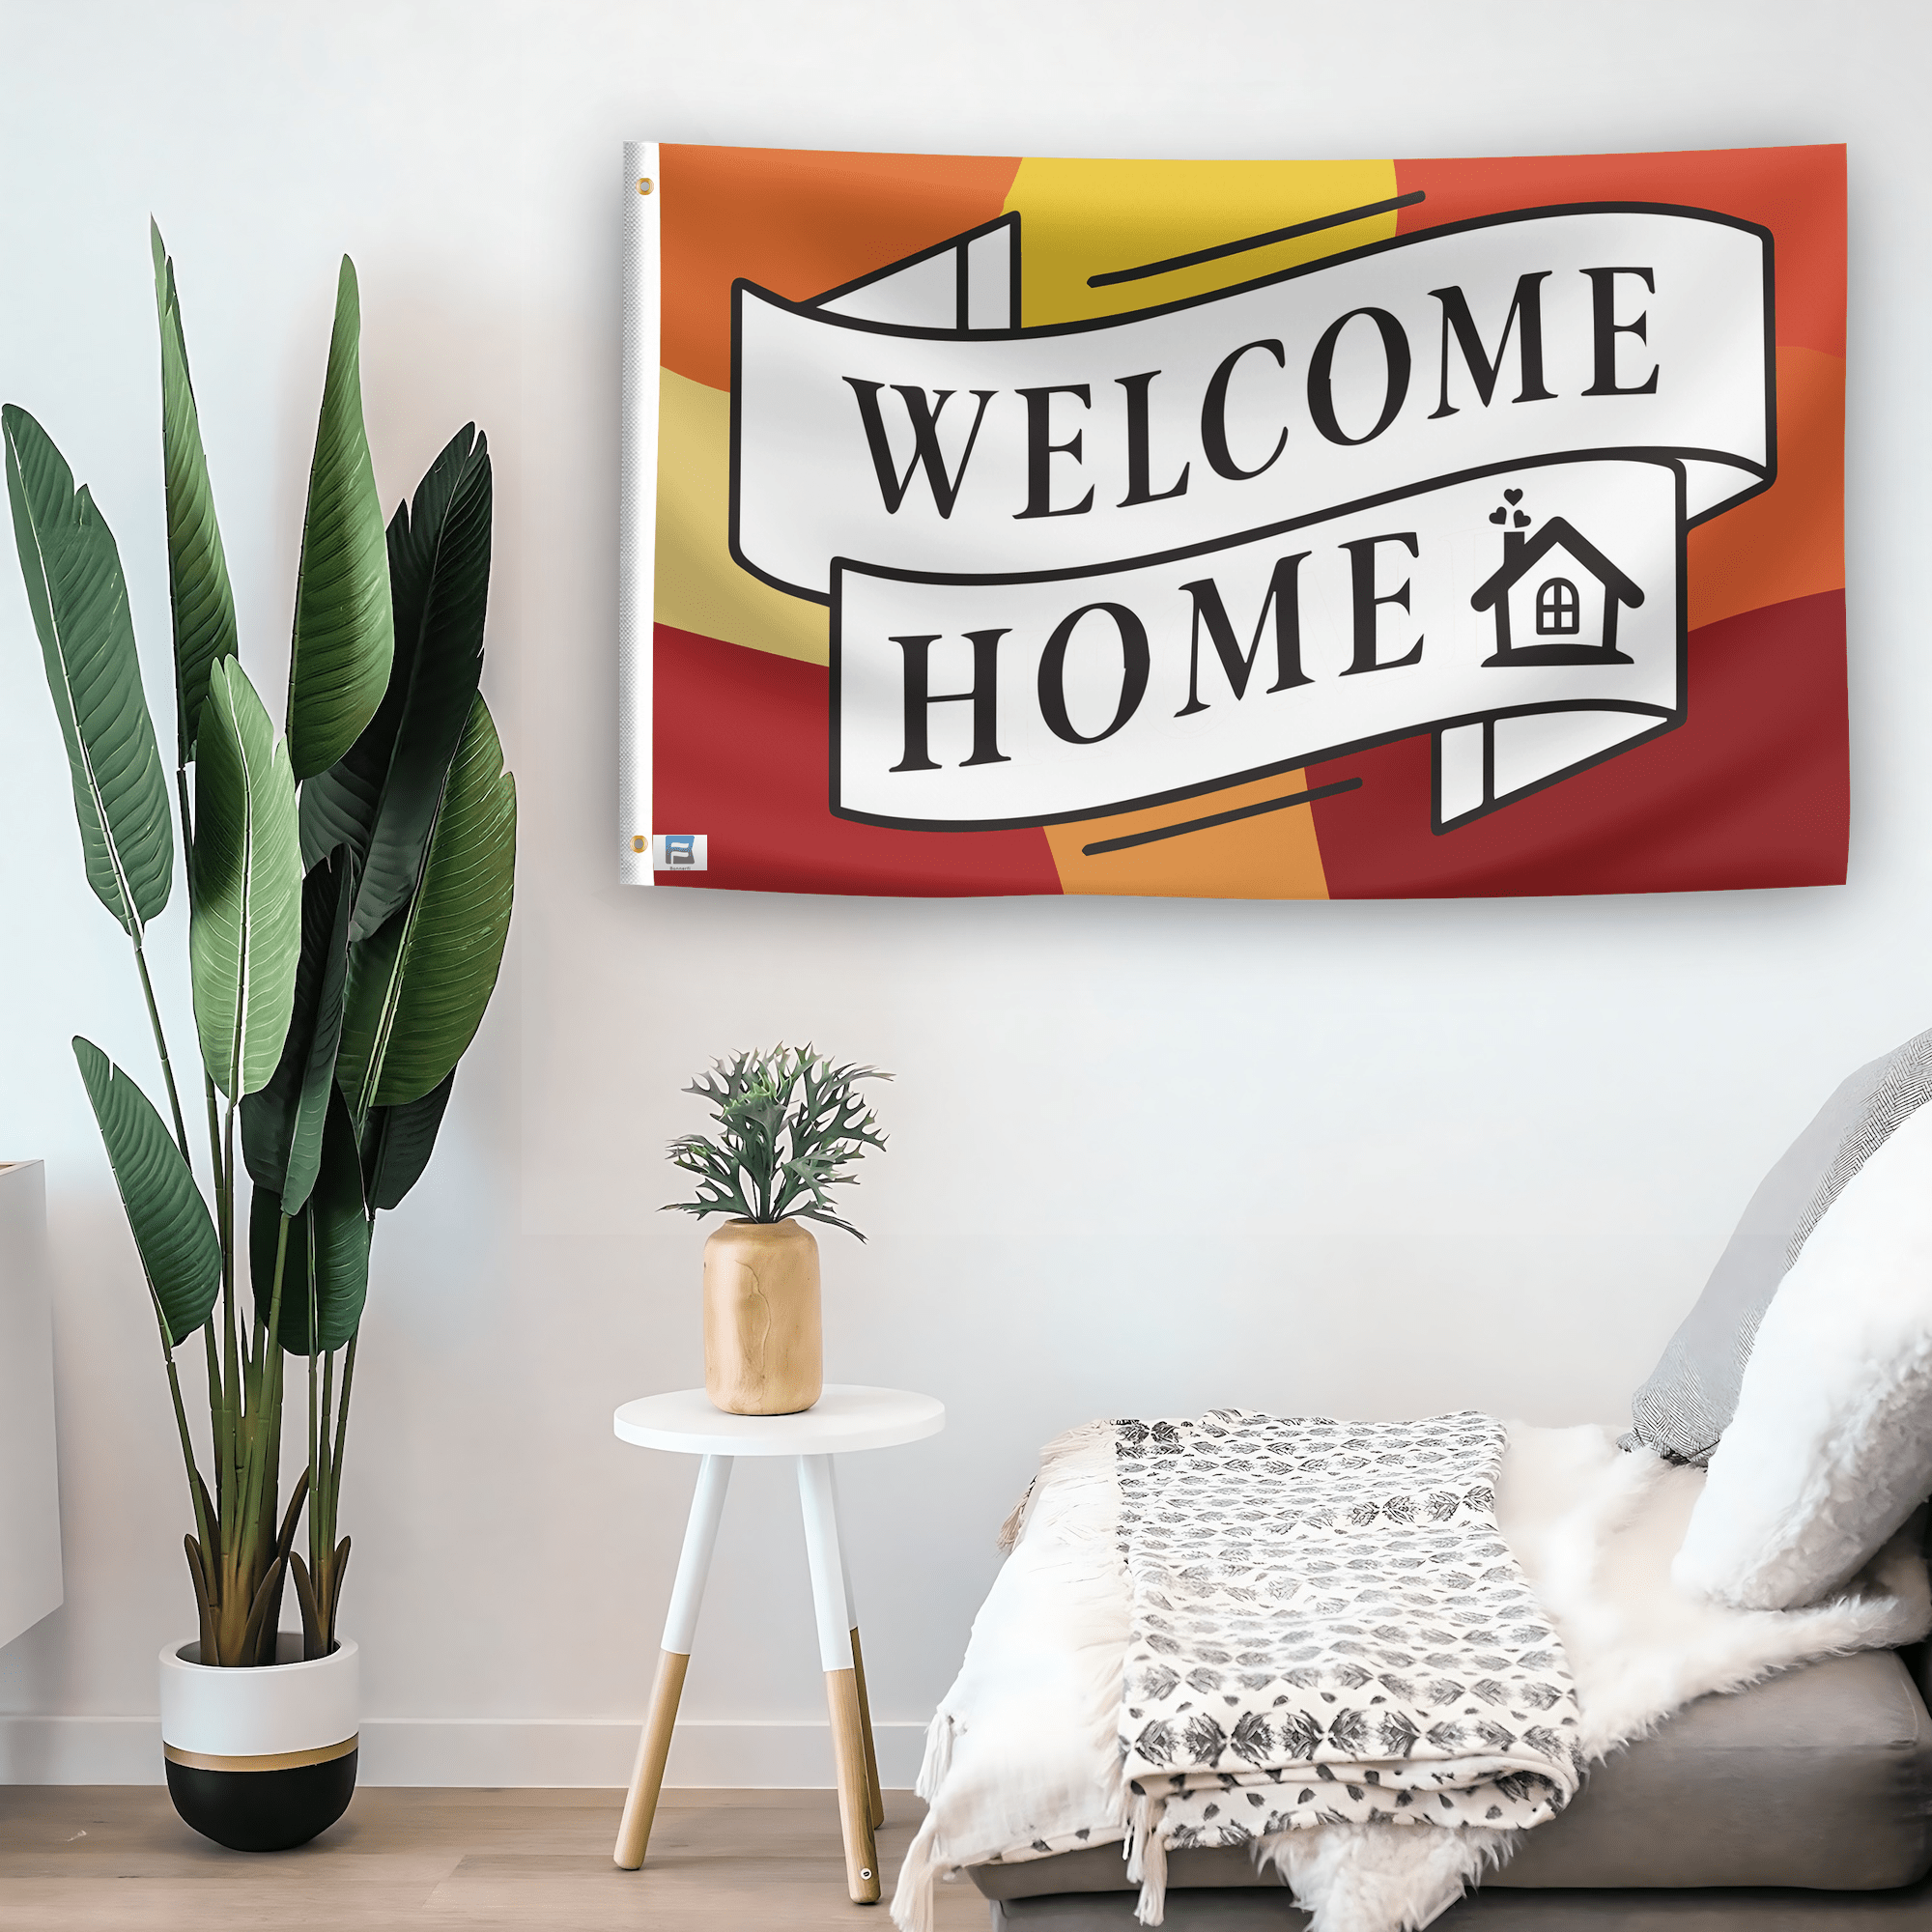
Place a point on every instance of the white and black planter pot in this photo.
(264, 1759)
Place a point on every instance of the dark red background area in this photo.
(1751, 791)
(740, 756)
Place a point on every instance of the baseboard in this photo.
(479, 1751)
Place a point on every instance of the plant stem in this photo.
(266, 1437)
(148, 985)
(335, 1487)
(342, 1408)
(213, 1138)
(215, 1401)
(253, 1452)
(262, 1538)
(206, 1532)
(232, 1617)
(342, 1418)
(317, 1435)
(222, 1394)
(194, 1483)
(162, 1047)
(322, 1513)
(231, 1360)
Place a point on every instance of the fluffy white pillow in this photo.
(1831, 1448)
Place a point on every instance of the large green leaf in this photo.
(180, 1252)
(281, 1125)
(398, 1141)
(379, 798)
(244, 929)
(345, 635)
(418, 988)
(79, 601)
(326, 1267)
(198, 590)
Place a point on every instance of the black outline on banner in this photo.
(1766, 473)
(953, 244)
(1343, 218)
(1668, 719)
(1101, 847)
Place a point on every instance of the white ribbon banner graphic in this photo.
(1439, 484)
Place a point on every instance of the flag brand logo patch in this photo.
(679, 852)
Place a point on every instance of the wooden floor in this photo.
(115, 1859)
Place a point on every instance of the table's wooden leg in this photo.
(641, 1802)
(872, 1790)
(877, 1797)
(855, 1812)
(842, 1682)
(694, 1565)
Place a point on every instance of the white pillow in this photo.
(1831, 1448)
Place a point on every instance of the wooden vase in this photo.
(764, 1349)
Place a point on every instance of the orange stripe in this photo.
(1790, 542)
(1272, 857)
(799, 222)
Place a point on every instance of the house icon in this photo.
(1556, 599)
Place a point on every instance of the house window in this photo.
(1558, 614)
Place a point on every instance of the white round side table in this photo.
(845, 1418)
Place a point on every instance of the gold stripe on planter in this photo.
(269, 1761)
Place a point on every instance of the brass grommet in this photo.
(638, 842)
(643, 184)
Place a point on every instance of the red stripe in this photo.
(1797, 194)
(740, 754)
(1751, 790)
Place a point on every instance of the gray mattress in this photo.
(1818, 1782)
(1487, 1911)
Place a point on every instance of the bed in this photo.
(1235, 1663)
(1805, 1802)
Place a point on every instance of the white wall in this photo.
(1147, 1156)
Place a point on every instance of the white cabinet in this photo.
(30, 1550)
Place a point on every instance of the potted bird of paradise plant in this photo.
(349, 887)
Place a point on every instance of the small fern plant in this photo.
(790, 1127)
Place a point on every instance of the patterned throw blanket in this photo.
(1024, 1756)
(1327, 1627)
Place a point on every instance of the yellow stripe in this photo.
(1080, 219)
(268, 1761)
(698, 588)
